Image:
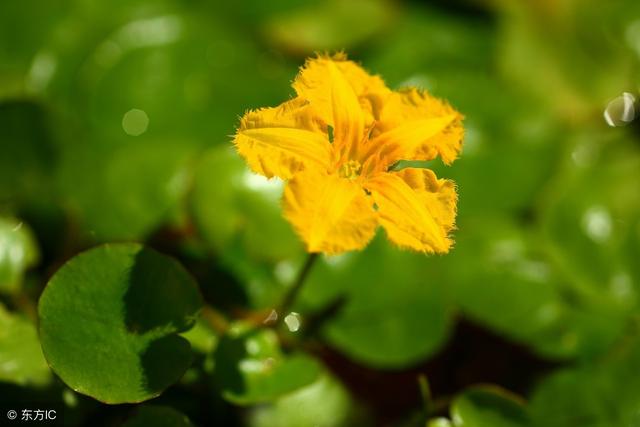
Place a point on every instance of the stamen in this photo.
(351, 169)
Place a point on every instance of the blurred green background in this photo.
(115, 124)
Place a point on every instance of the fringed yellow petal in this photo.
(403, 142)
(343, 94)
(438, 195)
(370, 89)
(348, 118)
(331, 214)
(446, 144)
(312, 83)
(283, 140)
(416, 209)
(362, 82)
(415, 109)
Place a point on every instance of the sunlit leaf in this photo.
(302, 409)
(488, 406)
(18, 252)
(251, 368)
(239, 215)
(21, 360)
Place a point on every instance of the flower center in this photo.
(350, 169)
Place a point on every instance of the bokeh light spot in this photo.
(621, 111)
(135, 122)
(597, 224)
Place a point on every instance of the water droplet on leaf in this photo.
(292, 321)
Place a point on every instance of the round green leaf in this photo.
(512, 284)
(18, 251)
(109, 320)
(395, 312)
(21, 360)
(178, 79)
(126, 193)
(145, 105)
(251, 368)
(157, 416)
(488, 406)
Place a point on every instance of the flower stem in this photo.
(292, 293)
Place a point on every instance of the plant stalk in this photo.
(292, 293)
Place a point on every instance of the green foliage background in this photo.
(532, 320)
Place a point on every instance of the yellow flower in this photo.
(335, 144)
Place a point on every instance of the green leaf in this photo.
(157, 416)
(178, 74)
(27, 153)
(551, 49)
(598, 393)
(230, 203)
(495, 148)
(124, 186)
(238, 214)
(590, 216)
(109, 320)
(251, 368)
(201, 337)
(488, 406)
(395, 313)
(325, 403)
(513, 285)
(439, 422)
(329, 26)
(127, 193)
(447, 40)
(17, 54)
(21, 360)
(18, 252)
(507, 283)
